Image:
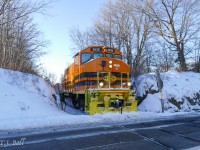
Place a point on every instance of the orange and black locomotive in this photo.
(99, 81)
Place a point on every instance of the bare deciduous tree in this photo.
(80, 39)
(20, 45)
(177, 22)
(121, 25)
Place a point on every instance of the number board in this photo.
(110, 50)
(96, 49)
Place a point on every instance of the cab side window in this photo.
(85, 57)
(76, 60)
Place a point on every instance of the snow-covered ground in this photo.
(26, 101)
(180, 92)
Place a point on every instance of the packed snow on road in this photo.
(26, 101)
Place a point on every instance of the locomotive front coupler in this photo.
(117, 104)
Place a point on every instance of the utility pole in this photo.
(160, 86)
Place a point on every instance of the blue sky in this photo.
(62, 16)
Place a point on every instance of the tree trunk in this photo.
(180, 48)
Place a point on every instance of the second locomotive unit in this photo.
(99, 81)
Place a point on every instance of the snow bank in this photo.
(181, 92)
(24, 97)
(26, 102)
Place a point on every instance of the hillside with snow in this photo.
(24, 95)
(180, 92)
(26, 101)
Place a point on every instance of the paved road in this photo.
(183, 133)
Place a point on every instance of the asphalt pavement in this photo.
(182, 133)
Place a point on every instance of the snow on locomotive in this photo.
(99, 81)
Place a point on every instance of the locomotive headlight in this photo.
(110, 64)
(101, 84)
(129, 83)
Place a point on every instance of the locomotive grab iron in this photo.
(99, 81)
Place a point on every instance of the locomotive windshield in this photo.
(85, 57)
(108, 55)
(98, 55)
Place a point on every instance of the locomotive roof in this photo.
(100, 46)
